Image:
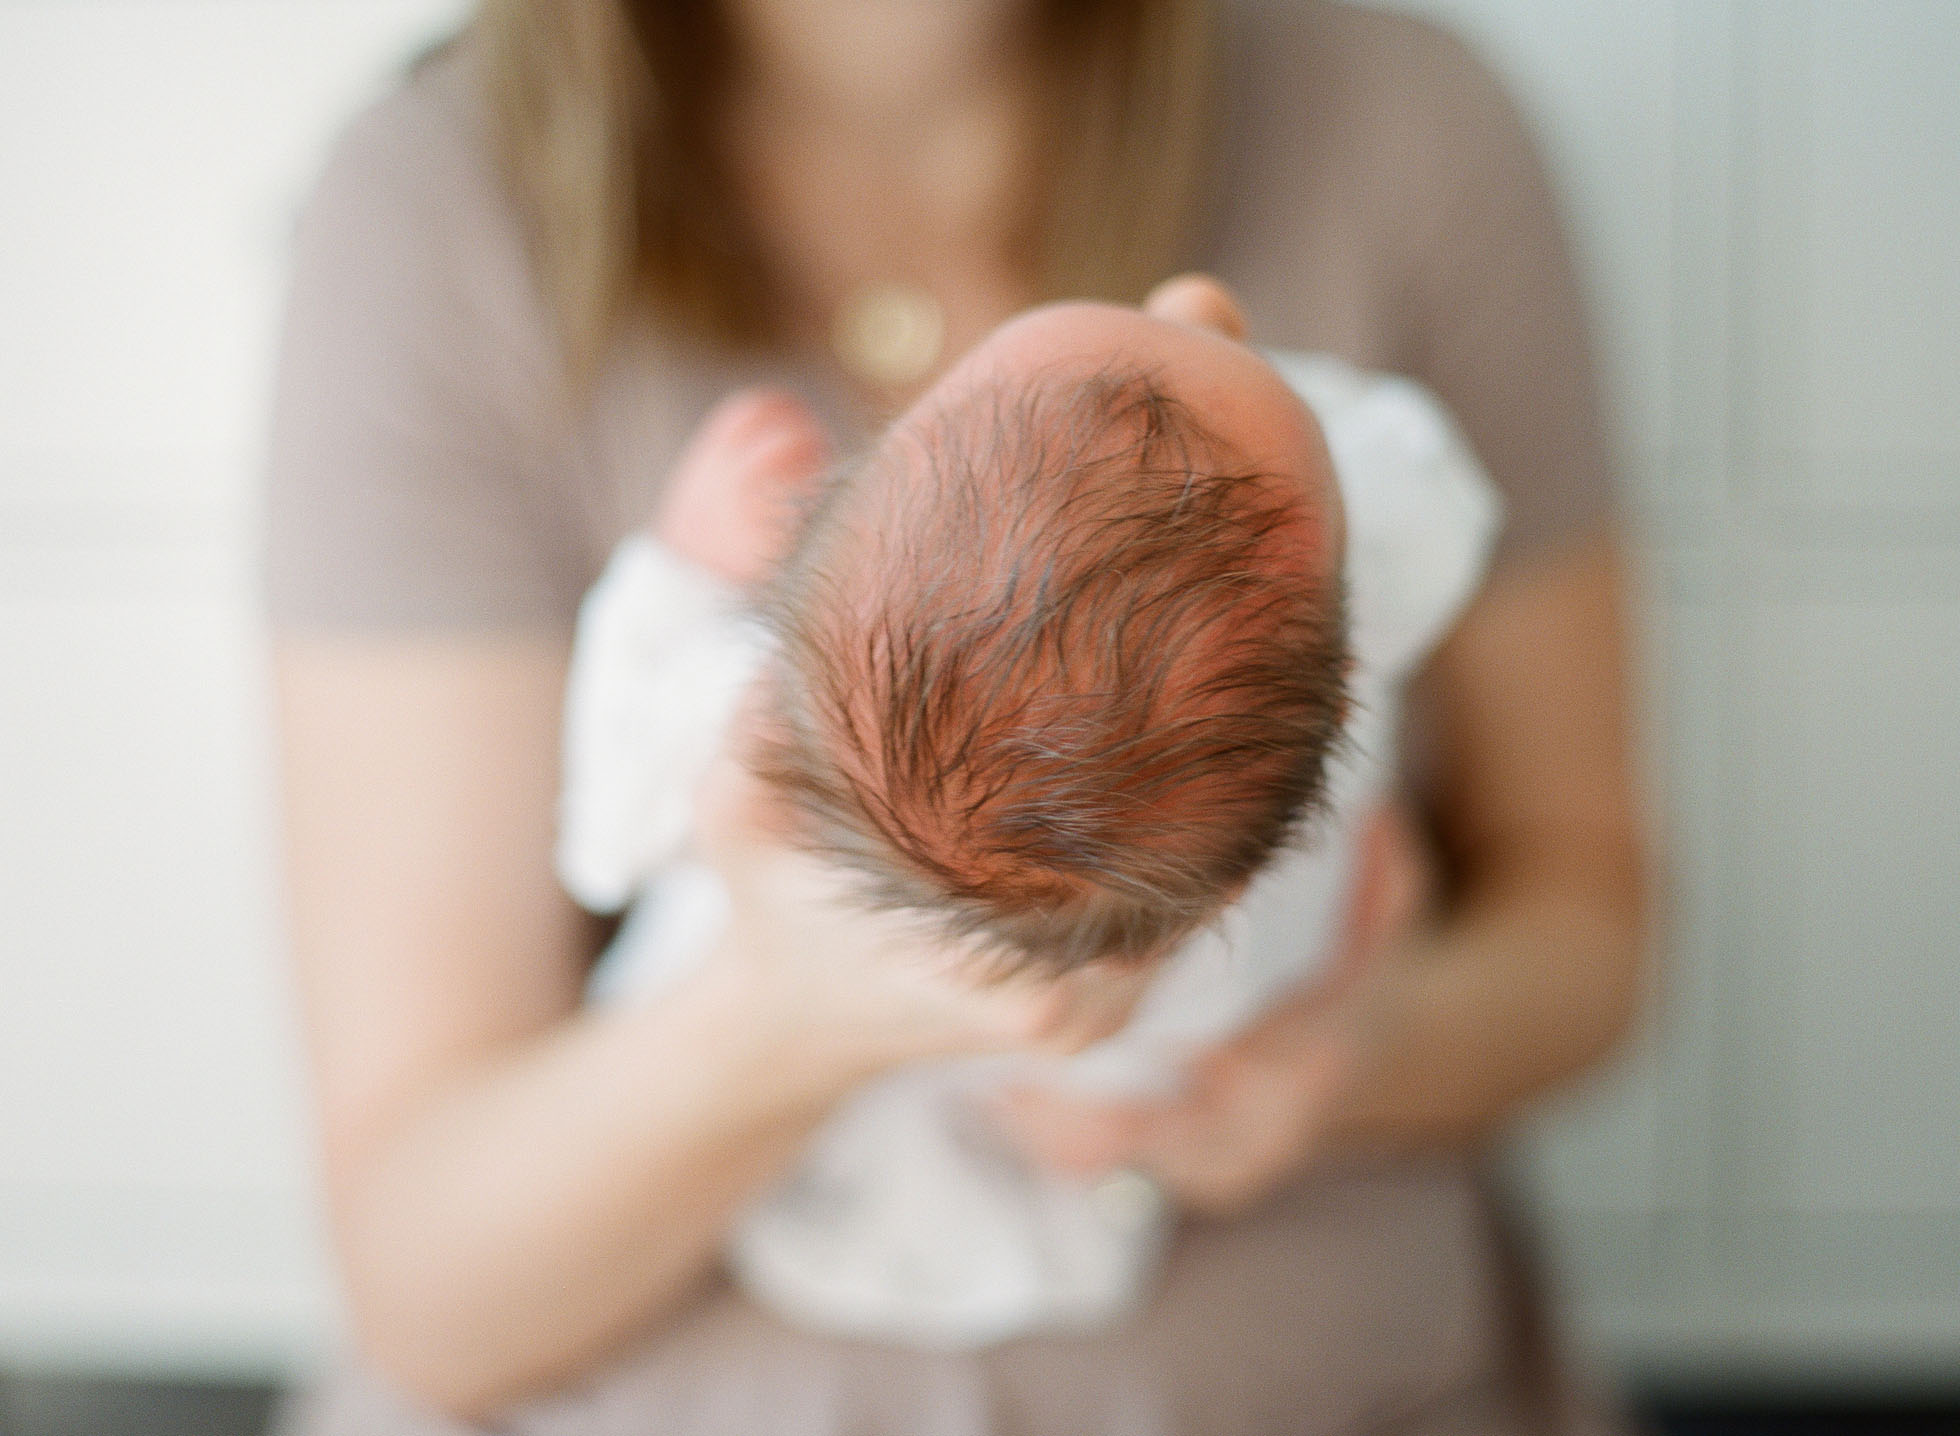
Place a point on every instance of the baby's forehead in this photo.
(1037, 446)
(1063, 462)
(1055, 361)
(1087, 334)
(1111, 402)
(1110, 406)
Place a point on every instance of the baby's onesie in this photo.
(909, 1218)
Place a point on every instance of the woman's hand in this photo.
(847, 991)
(1256, 1110)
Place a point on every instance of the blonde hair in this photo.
(606, 113)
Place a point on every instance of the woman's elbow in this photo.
(416, 1321)
(407, 1339)
(1619, 902)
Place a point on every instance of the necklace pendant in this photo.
(888, 335)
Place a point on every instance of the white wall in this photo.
(154, 1195)
(1768, 194)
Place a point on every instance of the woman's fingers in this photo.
(889, 983)
(1197, 300)
(739, 822)
(1253, 1114)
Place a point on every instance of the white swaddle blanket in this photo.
(909, 1219)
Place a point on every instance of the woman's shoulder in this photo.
(411, 223)
(1385, 200)
(428, 130)
(1375, 51)
(420, 467)
(1343, 133)
(412, 190)
(1324, 83)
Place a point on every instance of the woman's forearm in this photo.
(1536, 968)
(527, 1218)
(516, 1183)
(1531, 979)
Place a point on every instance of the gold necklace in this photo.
(888, 335)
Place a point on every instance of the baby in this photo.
(1064, 662)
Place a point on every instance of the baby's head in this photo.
(1063, 658)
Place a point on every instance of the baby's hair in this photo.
(1054, 669)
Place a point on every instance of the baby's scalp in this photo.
(1241, 400)
(1059, 663)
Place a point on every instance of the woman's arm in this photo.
(517, 1183)
(514, 1183)
(1536, 973)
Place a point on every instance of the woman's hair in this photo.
(607, 115)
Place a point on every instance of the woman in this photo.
(522, 280)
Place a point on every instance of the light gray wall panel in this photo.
(214, 1278)
(157, 1206)
(153, 151)
(1855, 289)
(137, 1002)
(1855, 1024)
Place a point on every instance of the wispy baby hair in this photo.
(1054, 669)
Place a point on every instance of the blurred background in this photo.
(1758, 1211)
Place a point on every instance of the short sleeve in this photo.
(418, 476)
(1493, 320)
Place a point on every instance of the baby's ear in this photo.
(736, 492)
